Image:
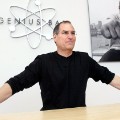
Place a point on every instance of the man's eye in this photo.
(65, 32)
(73, 33)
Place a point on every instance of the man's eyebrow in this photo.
(68, 31)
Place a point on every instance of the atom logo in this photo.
(32, 23)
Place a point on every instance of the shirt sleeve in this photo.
(98, 72)
(27, 78)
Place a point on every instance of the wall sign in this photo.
(33, 22)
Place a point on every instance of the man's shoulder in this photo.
(44, 55)
(81, 53)
(83, 56)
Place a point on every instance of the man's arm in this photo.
(115, 82)
(5, 92)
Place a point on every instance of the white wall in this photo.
(15, 54)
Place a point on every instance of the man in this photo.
(62, 74)
(111, 30)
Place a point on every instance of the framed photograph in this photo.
(102, 12)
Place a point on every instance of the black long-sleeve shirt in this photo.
(62, 80)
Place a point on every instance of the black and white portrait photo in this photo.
(104, 16)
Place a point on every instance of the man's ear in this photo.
(54, 37)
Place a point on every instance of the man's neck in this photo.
(65, 53)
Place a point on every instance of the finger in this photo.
(112, 28)
(105, 32)
(117, 29)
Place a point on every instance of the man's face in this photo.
(65, 39)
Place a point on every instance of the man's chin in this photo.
(69, 48)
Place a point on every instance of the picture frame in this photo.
(101, 12)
